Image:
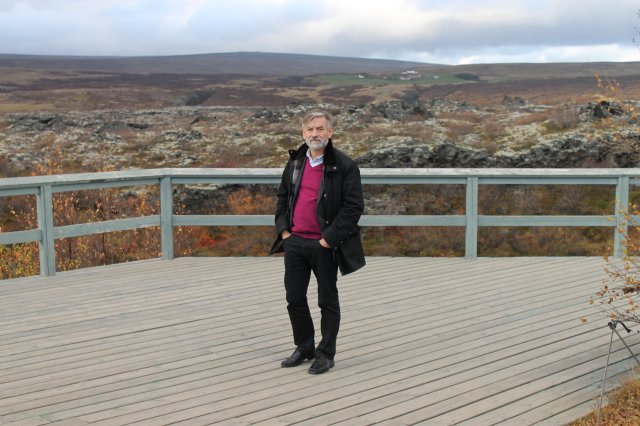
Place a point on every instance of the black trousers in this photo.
(301, 257)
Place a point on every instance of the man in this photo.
(319, 204)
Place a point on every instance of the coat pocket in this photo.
(350, 255)
(277, 247)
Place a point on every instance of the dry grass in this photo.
(26, 76)
(623, 408)
(534, 117)
(562, 118)
(25, 107)
(490, 145)
(468, 116)
(525, 142)
(461, 123)
(457, 130)
(556, 119)
(415, 130)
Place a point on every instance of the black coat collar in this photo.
(301, 152)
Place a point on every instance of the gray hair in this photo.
(318, 114)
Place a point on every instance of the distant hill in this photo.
(241, 63)
(528, 71)
(33, 83)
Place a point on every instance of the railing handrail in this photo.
(499, 173)
(44, 187)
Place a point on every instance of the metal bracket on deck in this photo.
(612, 325)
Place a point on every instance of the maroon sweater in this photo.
(305, 220)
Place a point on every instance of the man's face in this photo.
(316, 133)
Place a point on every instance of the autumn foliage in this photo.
(619, 296)
(19, 213)
(622, 409)
(233, 240)
(88, 206)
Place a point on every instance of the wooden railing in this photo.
(43, 187)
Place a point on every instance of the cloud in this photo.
(449, 31)
(464, 25)
(522, 54)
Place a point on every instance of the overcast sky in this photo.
(436, 31)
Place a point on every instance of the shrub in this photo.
(19, 213)
(534, 117)
(619, 296)
(19, 260)
(467, 76)
(562, 118)
(623, 408)
(459, 129)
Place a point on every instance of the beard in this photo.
(317, 144)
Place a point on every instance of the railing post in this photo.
(471, 234)
(622, 213)
(46, 245)
(166, 217)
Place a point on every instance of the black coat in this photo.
(340, 205)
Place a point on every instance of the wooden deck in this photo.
(198, 341)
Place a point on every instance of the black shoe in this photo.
(321, 365)
(296, 359)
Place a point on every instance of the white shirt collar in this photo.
(315, 162)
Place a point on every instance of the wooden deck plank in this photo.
(5, 371)
(446, 373)
(198, 340)
(544, 406)
(227, 395)
(586, 373)
(127, 290)
(92, 330)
